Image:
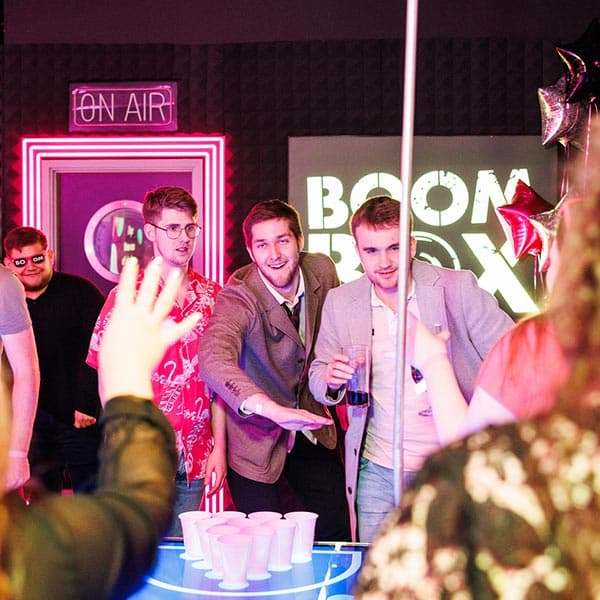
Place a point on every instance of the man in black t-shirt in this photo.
(63, 311)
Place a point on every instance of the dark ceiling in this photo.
(235, 21)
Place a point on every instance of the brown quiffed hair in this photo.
(19, 237)
(377, 212)
(167, 196)
(271, 209)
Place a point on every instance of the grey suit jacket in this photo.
(251, 346)
(450, 298)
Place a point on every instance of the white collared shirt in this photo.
(297, 298)
(420, 437)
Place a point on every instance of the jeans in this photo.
(375, 497)
(187, 498)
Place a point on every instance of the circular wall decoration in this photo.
(114, 232)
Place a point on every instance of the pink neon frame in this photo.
(210, 149)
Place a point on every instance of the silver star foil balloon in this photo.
(546, 224)
(562, 121)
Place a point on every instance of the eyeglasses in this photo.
(36, 259)
(174, 230)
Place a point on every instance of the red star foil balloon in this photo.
(562, 121)
(516, 223)
(581, 62)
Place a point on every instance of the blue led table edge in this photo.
(331, 575)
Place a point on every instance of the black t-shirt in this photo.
(63, 320)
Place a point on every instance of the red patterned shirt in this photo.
(178, 390)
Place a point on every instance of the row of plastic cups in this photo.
(236, 548)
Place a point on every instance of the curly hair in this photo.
(575, 303)
(574, 311)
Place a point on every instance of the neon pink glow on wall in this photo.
(210, 150)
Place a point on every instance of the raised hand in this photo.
(338, 372)
(139, 331)
(422, 346)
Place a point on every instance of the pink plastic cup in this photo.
(260, 548)
(280, 556)
(235, 550)
(216, 556)
(201, 528)
(240, 522)
(265, 515)
(229, 514)
(191, 541)
(304, 536)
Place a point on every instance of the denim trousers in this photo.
(375, 497)
(187, 498)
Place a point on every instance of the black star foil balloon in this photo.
(581, 62)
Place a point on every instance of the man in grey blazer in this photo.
(364, 312)
(282, 445)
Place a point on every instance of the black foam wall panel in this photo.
(260, 94)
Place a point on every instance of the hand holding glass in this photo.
(357, 388)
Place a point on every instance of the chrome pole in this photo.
(406, 163)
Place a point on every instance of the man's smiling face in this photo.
(276, 253)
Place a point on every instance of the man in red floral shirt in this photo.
(170, 215)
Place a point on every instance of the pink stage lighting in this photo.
(40, 156)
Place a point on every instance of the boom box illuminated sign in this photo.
(457, 184)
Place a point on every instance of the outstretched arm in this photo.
(219, 364)
(292, 419)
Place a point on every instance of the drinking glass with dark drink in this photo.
(357, 388)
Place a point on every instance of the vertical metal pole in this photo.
(406, 160)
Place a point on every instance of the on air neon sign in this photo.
(139, 106)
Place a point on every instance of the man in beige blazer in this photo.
(282, 446)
